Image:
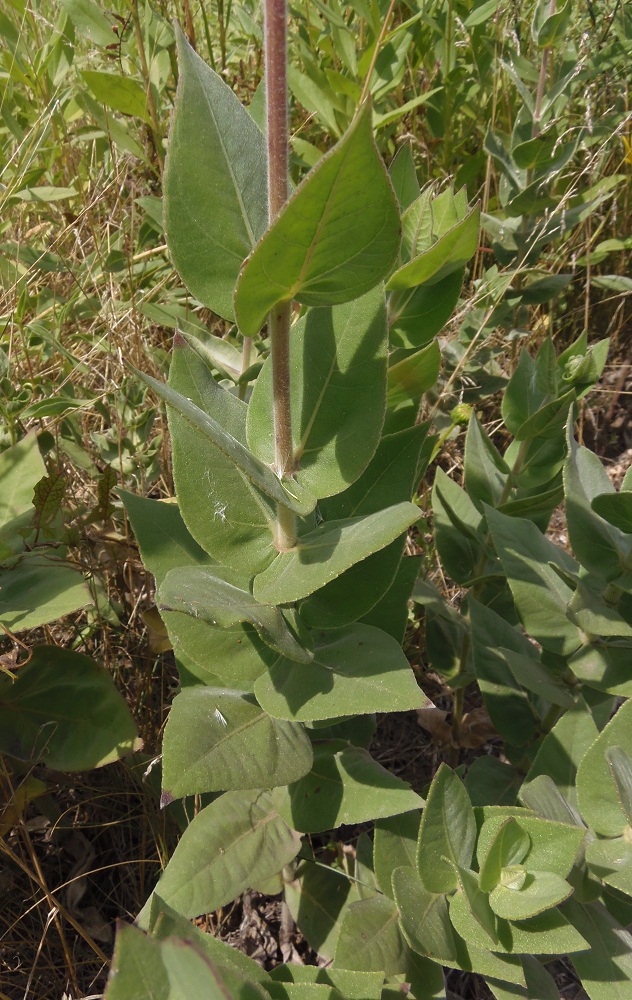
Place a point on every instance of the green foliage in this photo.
(286, 651)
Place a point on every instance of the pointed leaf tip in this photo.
(336, 238)
(166, 799)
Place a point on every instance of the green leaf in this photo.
(562, 750)
(220, 597)
(65, 710)
(543, 797)
(246, 464)
(526, 392)
(604, 666)
(165, 923)
(595, 617)
(596, 791)
(21, 468)
(325, 553)
(39, 589)
(447, 833)
(217, 740)
(553, 846)
(120, 93)
(403, 176)
(489, 781)
(599, 546)
(537, 152)
(423, 916)
(353, 985)
(539, 892)
(419, 314)
(485, 471)
(546, 31)
(317, 900)
(486, 963)
(458, 525)
(605, 968)
(509, 847)
(391, 613)
(162, 536)
(334, 240)
(237, 840)
(450, 253)
(390, 477)
(541, 596)
(616, 508)
(229, 516)
(215, 351)
(192, 974)
(370, 939)
(475, 904)
(338, 375)
(231, 657)
(347, 786)
(417, 225)
(395, 846)
(548, 420)
(549, 933)
(611, 860)
(137, 971)
(416, 374)
(89, 19)
(621, 770)
(357, 669)
(532, 676)
(216, 204)
(506, 702)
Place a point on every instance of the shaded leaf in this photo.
(65, 710)
(338, 377)
(221, 597)
(345, 785)
(356, 669)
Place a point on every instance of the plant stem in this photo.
(151, 106)
(246, 353)
(275, 47)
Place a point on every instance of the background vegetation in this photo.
(87, 95)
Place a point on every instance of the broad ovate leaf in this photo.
(356, 669)
(63, 709)
(217, 740)
(236, 841)
(216, 205)
(447, 833)
(336, 238)
(40, 589)
(450, 253)
(338, 375)
(597, 792)
(347, 786)
(323, 554)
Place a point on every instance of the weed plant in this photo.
(512, 849)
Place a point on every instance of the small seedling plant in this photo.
(284, 583)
